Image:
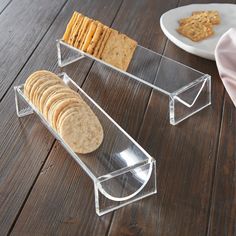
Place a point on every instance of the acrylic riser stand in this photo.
(122, 171)
(187, 89)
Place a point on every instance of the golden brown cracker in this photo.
(55, 97)
(213, 16)
(60, 106)
(69, 27)
(97, 35)
(89, 36)
(44, 87)
(196, 31)
(85, 34)
(75, 29)
(81, 32)
(63, 112)
(82, 130)
(119, 50)
(104, 41)
(97, 47)
(47, 93)
(31, 79)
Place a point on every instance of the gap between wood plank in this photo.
(3, 9)
(25, 200)
(10, 86)
(213, 184)
(141, 122)
(53, 144)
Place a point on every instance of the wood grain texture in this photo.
(44, 192)
(45, 56)
(26, 142)
(186, 156)
(4, 4)
(107, 92)
(223, 207)
(24, 24)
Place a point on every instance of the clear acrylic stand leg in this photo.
(115, 191)
(66, 54)
(22, 107)
(189, 100)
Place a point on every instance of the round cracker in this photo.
(47, 93)
(35, 87)
(55, 97)
(43, 87)
(33, 77)
(82, 130)
(60, 106)
(66, 111)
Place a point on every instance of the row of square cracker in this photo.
(65, 111)
(99, 40)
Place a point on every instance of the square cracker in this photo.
(81, 32)
(100, 40)
(75, 29)
(89, 36)
(95, 39)
(104, 41)
(196, 31)
(69, 26)
(119, 50)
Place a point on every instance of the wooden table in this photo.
(44, 192)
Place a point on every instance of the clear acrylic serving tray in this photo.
(187, 89)
(121, 170)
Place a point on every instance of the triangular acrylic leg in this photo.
(67, 54)
(22, 107)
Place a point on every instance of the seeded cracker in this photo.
(47, 93)
(75, 29)
(81, 32)
(55, 97)
(98, 46)
(89, 35)
(85, 34)
(97, 35)
(104, 41)
(199, 25)
(69, 26)
(43, 88)
(119, 50)
(60, 106)
(82, 130)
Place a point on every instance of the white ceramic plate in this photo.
(205, 48)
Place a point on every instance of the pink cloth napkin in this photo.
(225, 54)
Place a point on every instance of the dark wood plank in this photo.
(223, 208)
(107, 92)
(21, 36)
(186, 156)
(22, 158)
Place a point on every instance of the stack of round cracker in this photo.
(65, 111)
